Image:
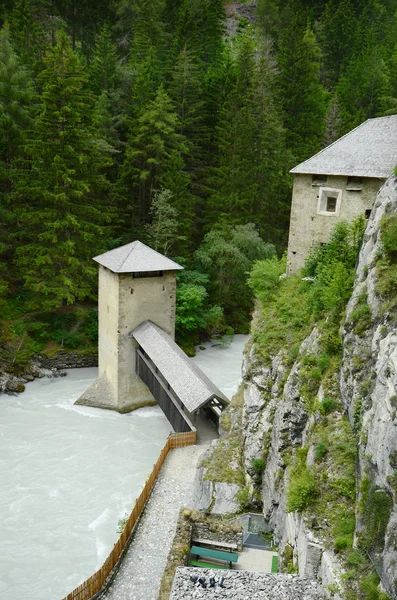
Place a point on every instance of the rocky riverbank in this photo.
(44, 366)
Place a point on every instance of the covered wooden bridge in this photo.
(178, 385)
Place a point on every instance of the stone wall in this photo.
(308, 225)
(241, 585)
(67, 360)
(124, 303)
(226, 534)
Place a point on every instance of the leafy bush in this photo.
(362, 318)
(91, 326)
(264, 278)
(258, 464)
(376, 506)
(341, 543)
(388, 229)
(327, 405)
(302, 489)
(320, 450)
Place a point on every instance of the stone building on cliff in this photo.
(339, 183)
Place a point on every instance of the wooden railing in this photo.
(94, 584)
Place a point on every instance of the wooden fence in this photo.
(94, 584)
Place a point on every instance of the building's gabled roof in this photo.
(136, 258)
(188, 382)
(370, 150)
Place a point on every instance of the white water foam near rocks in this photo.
(68, 473)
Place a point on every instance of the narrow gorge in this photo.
(311, 438)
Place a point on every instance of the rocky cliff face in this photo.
(368, 383)
(359, 462)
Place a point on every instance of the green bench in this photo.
(229, 557)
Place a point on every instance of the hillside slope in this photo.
(319, 434)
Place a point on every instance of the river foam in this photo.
(69, 473)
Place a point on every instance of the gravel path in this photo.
(140, 574)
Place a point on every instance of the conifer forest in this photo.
(157, 120)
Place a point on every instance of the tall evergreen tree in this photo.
(339, 37)
(187, 90)
(59, 213)
(103, 65)
(16, 92)
(27, 31)
(200, 28)
(153, 159)
(305, 100)
(248, 183)
(364, 91)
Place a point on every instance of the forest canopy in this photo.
(157, 120)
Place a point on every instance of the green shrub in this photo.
(355, 559)
(343, 542)
(327, 406)
(91, 326)
(243, 497)
(320, 450)
(376, 505)
(302, 490)
(258, 464)
(361, 318)
(388, 229)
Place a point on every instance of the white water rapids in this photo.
(68, 473)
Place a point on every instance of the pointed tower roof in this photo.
(136, 258)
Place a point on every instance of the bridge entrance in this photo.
(181, 389)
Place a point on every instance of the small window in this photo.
(331, 203)
(147, 274)
(319, 180)
(354, 184)
(368, 213)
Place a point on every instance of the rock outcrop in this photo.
(44, 366)
(277, 424)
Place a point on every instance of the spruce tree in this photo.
(59, 213)
(187, 91)
(153, 159)
(339, 37)
(200, 28)
(27, 25)
(305, 100)
(16, 93)
(250, 181)
(103, 65)
(364, 91)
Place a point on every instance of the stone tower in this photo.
(136, 284)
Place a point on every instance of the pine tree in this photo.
(200, 28)
(249, 183)
(153, 158)
(27, 32)
(188, 95)
(59, 213)
(16, 93)
(103, 66)
(339, 37)
(305, 100)
(364, 91)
